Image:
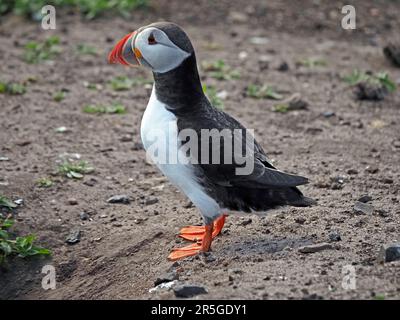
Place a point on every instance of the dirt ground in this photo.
(123, 248)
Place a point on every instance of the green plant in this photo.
(36, 52)
(220, 70)
(116, 108)
(84, 49)
(7, 203)
(312, 62)
(12, 88)
(90, 8)
(59, 96)
(261, 92)
(379, 296)
(74, 170)
(121, 83)
(380, 78)
(212, 94)
(44, 182)
(281, 108)
(21, 246)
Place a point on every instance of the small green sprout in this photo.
(59, 96)
(220, 70)
(380, 78)
(7, 203)
(21, 246)
(44, 182)
(86, 50)
(262, 92)
(74, 170)
(115, 108)
(12, 88)
(212, 94)
(312, 62)
(121, 83)
(36, 52)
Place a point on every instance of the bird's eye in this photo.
(151, 39)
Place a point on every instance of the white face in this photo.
(158, 52)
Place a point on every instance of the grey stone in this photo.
(74, 236)
(189, 290)
(122, 198)
(365, 198)
(363, 208)
(389, 252)
(315, 247)
(166, 277)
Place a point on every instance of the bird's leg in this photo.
(201, 246)
(195, 233)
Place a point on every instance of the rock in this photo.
(188, 204)
(363, 208)
(315, 247)
(372, 169)
(74, 236)
(137, 146)
(126, 138)
(72, 201)
(84, 216)
(90, 182)
(370, 91)
(365, 198)
(389, 252)
(382, 213)
(283, 67)
(238, 17)
(19, 202)
(328, 114)
(166, 277)
(165, 286)
(149, 201)
(295, 102)
(392, 52)
(387, 180)
(245, 222)
(259, 40)
(334, 236)
(300, 220)
(352, 171)
(121, 198)
(188, 290)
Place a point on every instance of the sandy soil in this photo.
(123, 248)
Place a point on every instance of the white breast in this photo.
(159, 123)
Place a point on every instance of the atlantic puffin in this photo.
(177, 97)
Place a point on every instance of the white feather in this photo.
(157, 119)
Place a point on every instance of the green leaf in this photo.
(4, 202)
(281, 108)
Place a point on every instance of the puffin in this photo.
(178, 104)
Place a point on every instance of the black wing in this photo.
(263, 175)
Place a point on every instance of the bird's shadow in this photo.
(255, 247)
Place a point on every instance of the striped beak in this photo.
(125, 52)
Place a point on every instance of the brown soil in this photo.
(123, 248)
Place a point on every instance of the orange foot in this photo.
(196, 233)
(207, 233)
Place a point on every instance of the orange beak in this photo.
(125, 52)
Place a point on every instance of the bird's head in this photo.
(161, 46)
